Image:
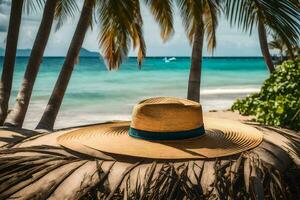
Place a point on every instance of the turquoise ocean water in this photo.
(96, 95)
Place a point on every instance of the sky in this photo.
(230, 40)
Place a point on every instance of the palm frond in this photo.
(276, 43)
(296, 3)
(241, 13)
(115, 17)
(286, 22)
(38, 171)
(211, 14)
(137, 33)
(33, 6)
(65, 9)
(191, 13)
(162, 11)
(281, 17)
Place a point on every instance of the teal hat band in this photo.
(148, 135)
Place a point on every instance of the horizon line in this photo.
(147, 56)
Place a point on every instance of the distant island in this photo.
(26, 52)
(92, 54)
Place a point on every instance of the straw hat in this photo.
(165, 128)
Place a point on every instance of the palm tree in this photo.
(11, 49)
(52, 8)
(278, 44)
(200, 19)
(279, 17)
(10, 56)
(120, 20)
(163, 13)
(194, 83)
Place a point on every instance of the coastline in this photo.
(77, 116)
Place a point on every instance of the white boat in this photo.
(169, 60)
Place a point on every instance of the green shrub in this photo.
(278, 102)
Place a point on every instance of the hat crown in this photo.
(167, 114)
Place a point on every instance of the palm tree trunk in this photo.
(51, 111)
(10, 56)
(17, 114)
(196, 65)
(264, 46)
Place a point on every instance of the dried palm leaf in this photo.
(33, 171)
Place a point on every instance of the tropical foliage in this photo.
(120, 23)
(278, 102)
(278, 44)
(278, 17)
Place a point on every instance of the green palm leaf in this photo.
(191, 13)
(276, 43)
(162, 11)
(211, 14)
(281, 17)
(63, 10)
(33, 6)
(120, 23)
(137, 33)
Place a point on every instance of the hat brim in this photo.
(222, 138)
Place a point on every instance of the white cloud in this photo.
(4, 15)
